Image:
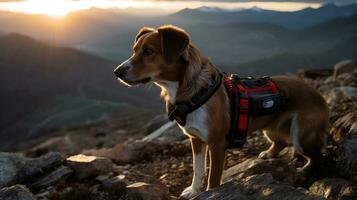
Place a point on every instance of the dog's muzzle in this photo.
(121, 71)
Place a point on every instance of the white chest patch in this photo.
(196, 124)
(196, 121)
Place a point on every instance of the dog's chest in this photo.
(196, 121)
(197, 124)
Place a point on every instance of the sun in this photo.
(52, 8)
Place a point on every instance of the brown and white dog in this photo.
(166, 57)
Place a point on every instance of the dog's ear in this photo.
(142, 32)
(174, 41)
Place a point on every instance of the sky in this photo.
(63, 7)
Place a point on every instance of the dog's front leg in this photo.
(217, 159)
(199, 150)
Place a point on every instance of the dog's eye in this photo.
(148, 51)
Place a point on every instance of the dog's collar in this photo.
(179, 110)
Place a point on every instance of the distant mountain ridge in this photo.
(292, 62)
(109, 33)
(293, 20)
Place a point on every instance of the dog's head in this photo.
(158, 55)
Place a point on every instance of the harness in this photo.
(248, 97)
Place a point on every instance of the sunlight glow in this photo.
(54, 8)
(58, 8)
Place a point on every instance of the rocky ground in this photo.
(108, 160)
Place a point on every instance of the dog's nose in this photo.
(121, 71)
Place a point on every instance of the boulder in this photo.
(15, 168)
(116, 183)
(9, 167)
(339, 94)
(227, 191)
(115, 186)
(16, 192)
(86, 166)
(345, 66)
(279, 169)
(173, 134)
(146, 191)
(156, 123)
(131, 151)
(37, 166)
(349, 91)
(52, 178)
(347, 155)
(316, 73)
(63, 144)
(334, 189)
(344, 125)
(261, 186)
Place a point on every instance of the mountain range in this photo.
(293, 20)
(44, 86)
(240, 36)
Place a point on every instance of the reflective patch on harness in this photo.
(268, 103)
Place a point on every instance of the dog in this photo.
(166, 57)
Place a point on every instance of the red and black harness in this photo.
(248, 97)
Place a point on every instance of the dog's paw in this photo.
(190, 192)
(265, 155)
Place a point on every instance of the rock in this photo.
(15, 168)
(349, 91)
(173, 134)
(316, 73)
(9, 167)
(338, 94)
(156, 123)
(16, 192)
(102, 177)
(131, 152)
(36, 166)
(115, 186)
(261, 186)
(146, 191)
(344, 125)
(52, 178)
(85, 166)
(347, 155)
(226, 191)
(63, 144)
(279, 168)
(114, 183)
(345, 66)
(334, 189)
(74, 191)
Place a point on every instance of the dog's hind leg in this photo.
(277, 144)
(199, 150)
(308, 138)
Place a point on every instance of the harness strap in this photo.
(239, 112)
(179, 110)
